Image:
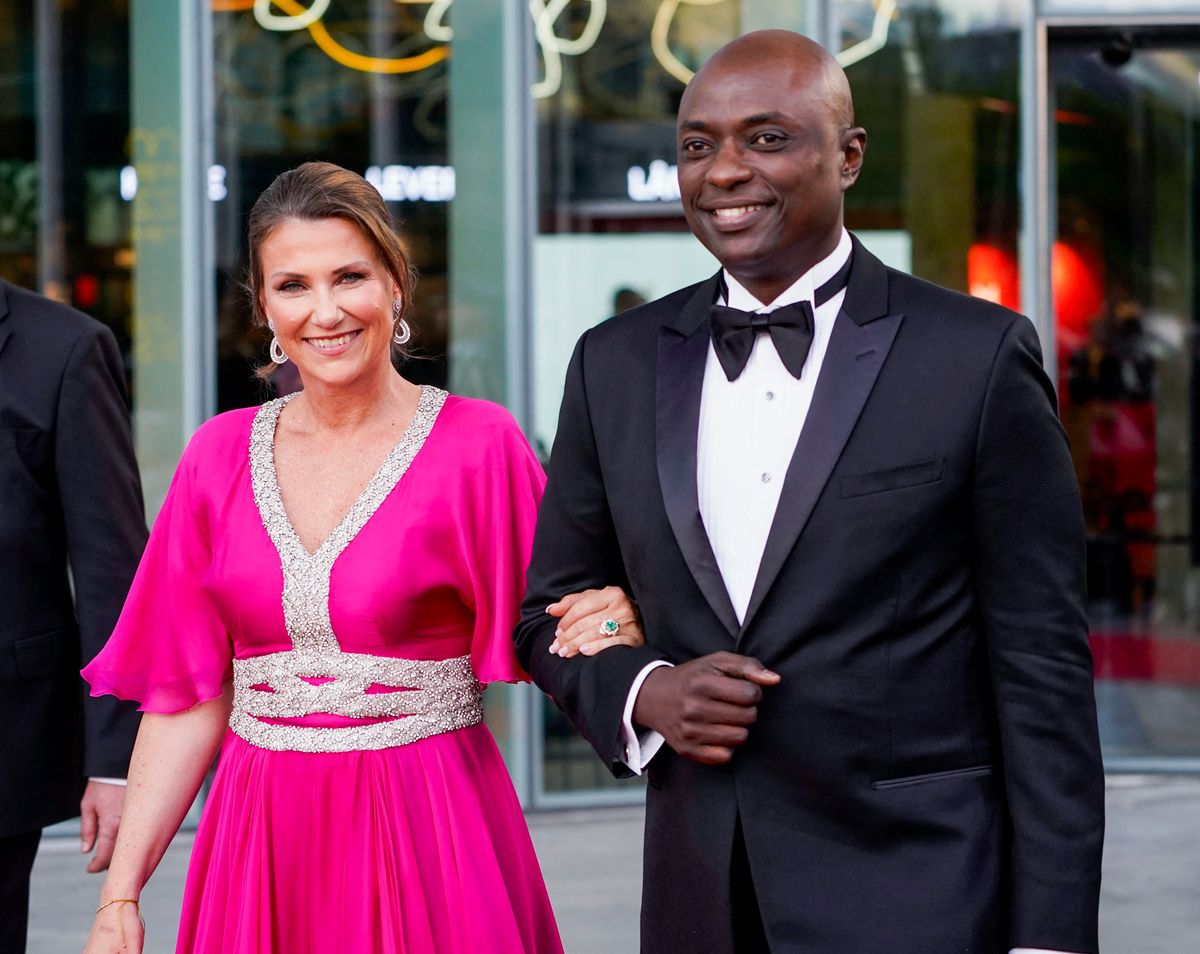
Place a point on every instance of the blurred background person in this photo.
(625, 298)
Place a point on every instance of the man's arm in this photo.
(1028, 564)
(575, 548)
(703, 707)
(101, 500)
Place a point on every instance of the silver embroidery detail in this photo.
(433, 696)
(436, 695)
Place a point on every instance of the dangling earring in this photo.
(403, 332)
(277, 354)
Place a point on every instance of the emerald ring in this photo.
(609, 627)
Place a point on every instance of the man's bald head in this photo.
(783, 53)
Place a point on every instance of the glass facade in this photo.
(363, 85)
(1125, 106)
(937, 87)
(65, 226)
(527, 153)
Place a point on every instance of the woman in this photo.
(329, 582)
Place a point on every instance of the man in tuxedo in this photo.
(70, 500)
(844, 503)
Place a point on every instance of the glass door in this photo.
(1124, 104)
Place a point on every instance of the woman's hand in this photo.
(170, 757)
(117, 930)
(586, 622)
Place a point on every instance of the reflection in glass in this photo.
(936, 86)
(1125, 132)
(64, 131)
(364, 86)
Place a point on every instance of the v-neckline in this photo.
(269, 496)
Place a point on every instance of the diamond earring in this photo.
(403, 332)
(277, 354)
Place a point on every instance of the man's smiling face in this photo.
(765, 152)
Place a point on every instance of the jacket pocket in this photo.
(894, 478)
(904, 782)
(43, 655)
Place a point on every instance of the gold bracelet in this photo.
(134, 901)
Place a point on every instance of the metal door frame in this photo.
(1039, 182)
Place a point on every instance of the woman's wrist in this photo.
(114, 903)
(120, 887)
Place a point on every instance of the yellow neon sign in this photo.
(299, 17)
(545, 13)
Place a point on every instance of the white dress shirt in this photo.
(749, 428)
(747, 435)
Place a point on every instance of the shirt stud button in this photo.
(770, 395)
(766, 478)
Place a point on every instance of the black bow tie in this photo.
(790, 328)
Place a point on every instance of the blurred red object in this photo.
(1077, 281)
(87, 291)
(992, 274)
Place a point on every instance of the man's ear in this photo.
(854, 151)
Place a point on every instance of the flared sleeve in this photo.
(504, 495)
(169, 650)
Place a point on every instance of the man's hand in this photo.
(704, 708)
(99, 818)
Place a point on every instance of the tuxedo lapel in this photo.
(862, 336)
(682, 352)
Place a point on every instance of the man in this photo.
(69, 496)
(855, 537)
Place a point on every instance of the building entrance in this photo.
(1124, 118)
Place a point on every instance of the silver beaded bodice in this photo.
(417, 698)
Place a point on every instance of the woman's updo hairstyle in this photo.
(321, 190)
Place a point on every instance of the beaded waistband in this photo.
(426, 697)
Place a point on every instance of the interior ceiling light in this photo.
(435, 20)
(554, 47)
(297, 21)
(660, 31)
(885, 11)
(300, 17)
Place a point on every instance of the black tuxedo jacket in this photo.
(926, 779)
(69, 498)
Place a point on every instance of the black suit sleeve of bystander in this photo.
(101, 498)
(575, 548)
(1028, 553)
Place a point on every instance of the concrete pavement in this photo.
(591, 860)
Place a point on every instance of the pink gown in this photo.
(386, 821)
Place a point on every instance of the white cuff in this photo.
(110, 781)
(639, 750)
(1035, 950)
